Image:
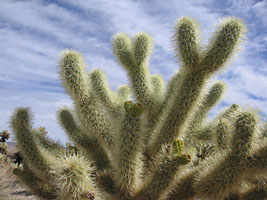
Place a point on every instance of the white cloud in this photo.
(260, 10)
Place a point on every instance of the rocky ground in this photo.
(16, 192)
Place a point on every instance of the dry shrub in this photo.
(6, 176)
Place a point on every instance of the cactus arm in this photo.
(182, 188)
(258, 160)
(208, 101)
(186, 41)
(134, 58)
(45, 142)
(38, 160)
(123, 93)
(223, 44)
(223, 177)
(106, 181)
(259, 193)
(234, 196)
(141, 86)
(222, 131)
(96, 121)
(158, 88)
(36, 185)
(154, 120)
(73, 75)
(253, 192)
(207, 132)
(258, 190)
(89, 145)
(263, 131)
(172, 87)
(163, 175)
(142, 48)
(179, 112)
(229, 112)
(74, 78)
(129, 162)
(242, 139)
(213, 96)
(220, 181)
(121, 46)
(102, 92)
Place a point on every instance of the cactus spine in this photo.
(133, 149)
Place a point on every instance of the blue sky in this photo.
(34, 32)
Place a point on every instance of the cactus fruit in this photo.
(145, 148)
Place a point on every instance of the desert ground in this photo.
(10, 189)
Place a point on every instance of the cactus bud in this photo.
(127, 106)
(183, 159)
(133, 109)
(178, 146)
(234, 106)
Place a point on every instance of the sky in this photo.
(34, 32)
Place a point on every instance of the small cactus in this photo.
(3, 145)
(4, 136)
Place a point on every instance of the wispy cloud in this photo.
(34, 32)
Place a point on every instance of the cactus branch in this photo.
(90, 145)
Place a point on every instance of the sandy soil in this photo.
(9, 186)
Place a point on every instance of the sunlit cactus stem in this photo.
(130, 145)
(76, 84)
(89, 145)
(208, 101)
(38, 160)
(222, 134)
(165, 172)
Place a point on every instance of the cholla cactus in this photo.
(133, 149)
(3, 145)
(3, 148)
(4, 136)
(71, 149)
